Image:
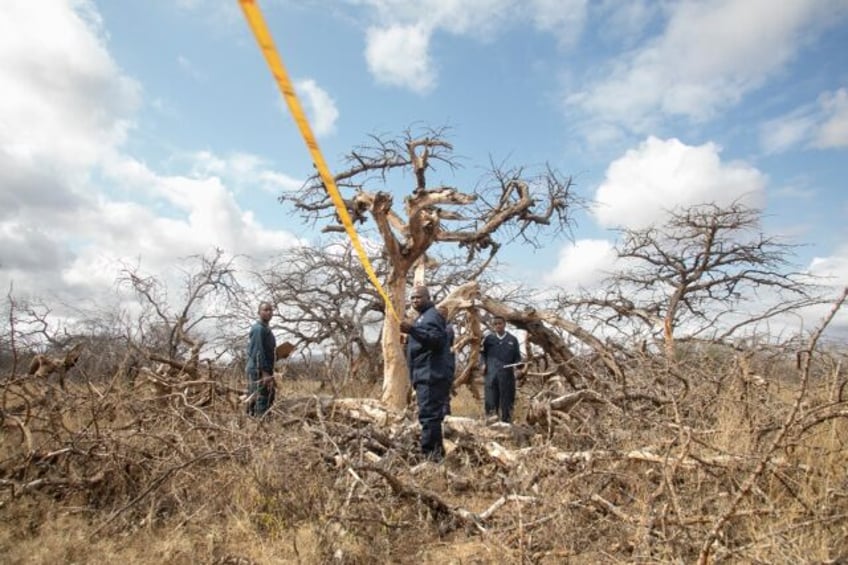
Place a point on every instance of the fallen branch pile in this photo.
(585, 475)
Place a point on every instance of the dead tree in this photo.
(544, 329)
(171, 331)
(324, 299)
(510, 203)
(696, 270)
(31, 328)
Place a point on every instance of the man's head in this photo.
(499, 324)
(420, 298)
(266, 311)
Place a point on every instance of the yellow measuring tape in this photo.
(266, 44)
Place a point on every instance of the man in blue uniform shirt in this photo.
(427, 355)
(500, 349)
(260, 363)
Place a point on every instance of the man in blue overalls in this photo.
(429, 369)
(500, 349)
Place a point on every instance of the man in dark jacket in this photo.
(429, 369)
(260, 363)
(499, 350)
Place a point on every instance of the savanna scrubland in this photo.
(658, 421)
(742, 453)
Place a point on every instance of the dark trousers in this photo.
(264, 396)
(499, 394)
(431, 398)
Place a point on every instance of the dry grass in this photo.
(104, 472)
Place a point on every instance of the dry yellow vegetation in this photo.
(748, 460)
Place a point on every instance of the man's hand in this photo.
(405, 326)
(267, 381)
(520, 375)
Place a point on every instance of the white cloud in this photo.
(834, 131)
(625, 21)
(660, 175)
(821, 125)
(320, 107)
(709, 55)
(798, 188)
(27, 249)
(80, 250)
(583, 264)
(202, 214)
(832, 273)
(563, 18)
(65, 104)
(480, 18)
(786, 132)
(398, 45)
(241, 171)
(833, 269)
(398, 56)
(64, 99)
(73, 204)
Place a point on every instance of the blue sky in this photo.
(149, 131)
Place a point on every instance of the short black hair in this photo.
(422, 291)
(498, 317)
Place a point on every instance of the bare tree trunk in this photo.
(668, 338)
(419, 274)
(395, 373)
(668, 324)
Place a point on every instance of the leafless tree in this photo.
(8, 342)
(509, 204)
(324, 300)
(47, 339)
(171, 329)
(709, 268)
(29, 327)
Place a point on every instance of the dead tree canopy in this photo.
(325, 299)
(696, 268)
(509, 200)
(172, 330)
(508, 204)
